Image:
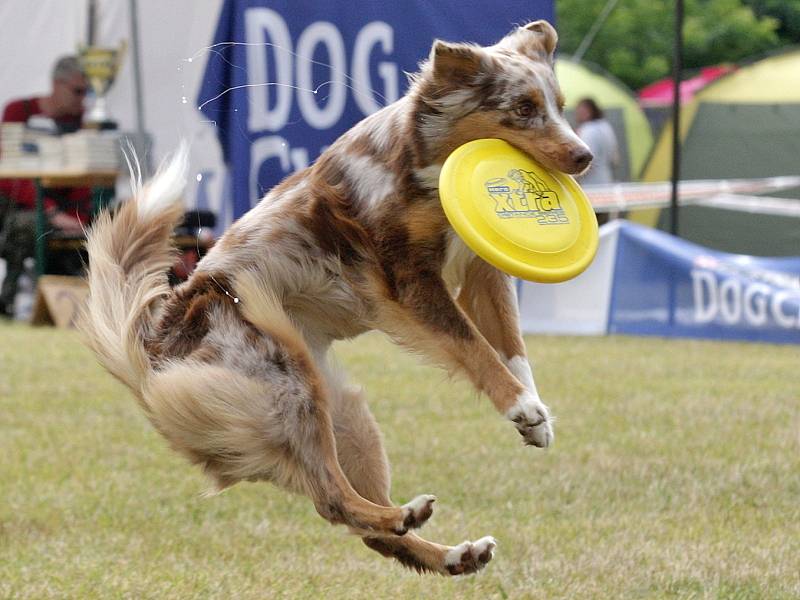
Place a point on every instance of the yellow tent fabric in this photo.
(772, 80)
(775, 79)
(742, 125)
(579, 80)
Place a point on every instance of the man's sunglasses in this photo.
(78, 90)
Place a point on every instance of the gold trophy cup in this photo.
(101, 66)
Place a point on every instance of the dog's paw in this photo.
(532, 420)
(416, 512)
(469, 557)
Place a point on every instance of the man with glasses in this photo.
(66, 209)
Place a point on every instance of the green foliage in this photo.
(787, 12)
(635, 43)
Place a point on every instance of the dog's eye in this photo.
(525, 109)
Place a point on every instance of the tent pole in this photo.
(140, 143)
(677, 67)
(90, 23)
(594, 30)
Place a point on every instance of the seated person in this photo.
(68, 209)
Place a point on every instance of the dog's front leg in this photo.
(426, 318)
(487, 297)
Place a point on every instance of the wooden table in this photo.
(101, 182)
(184, 242)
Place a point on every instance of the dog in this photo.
(230, 366)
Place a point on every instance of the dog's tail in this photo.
(129, 255)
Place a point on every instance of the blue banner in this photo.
(285, 78)
(666, 286)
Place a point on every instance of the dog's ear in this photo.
(455, 62)
(544, 37)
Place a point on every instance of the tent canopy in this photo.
(661, 92)
(746, 124)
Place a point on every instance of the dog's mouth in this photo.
(569, 156)
(573, 161)
(557, 147)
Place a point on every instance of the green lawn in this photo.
(675, 474)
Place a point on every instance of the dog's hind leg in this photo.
(312, 441)
(363, 459)
(238, 426)
(335, 498)
(421, 555)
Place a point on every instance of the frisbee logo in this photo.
(521, 194)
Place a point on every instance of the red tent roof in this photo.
(660, 92)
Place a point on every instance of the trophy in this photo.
(100, 65)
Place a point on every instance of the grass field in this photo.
(675, 474)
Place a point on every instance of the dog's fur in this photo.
(231, 366)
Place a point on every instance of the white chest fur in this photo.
(456, 262)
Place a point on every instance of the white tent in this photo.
(576, 307)
(647, 282)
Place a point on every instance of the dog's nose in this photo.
(581, 157)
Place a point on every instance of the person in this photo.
(598, 134)
(67, 209)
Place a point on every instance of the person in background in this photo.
(68, 209)
(599, 136)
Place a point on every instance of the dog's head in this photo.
(507, 91)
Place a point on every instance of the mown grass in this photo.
(675, 474)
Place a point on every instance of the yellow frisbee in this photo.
(518, 216)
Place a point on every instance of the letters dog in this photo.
(231, 366)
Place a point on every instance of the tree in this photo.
(635, 43)
(786, 11)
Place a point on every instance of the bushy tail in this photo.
(129, 255)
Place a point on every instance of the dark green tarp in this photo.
(734, 141)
